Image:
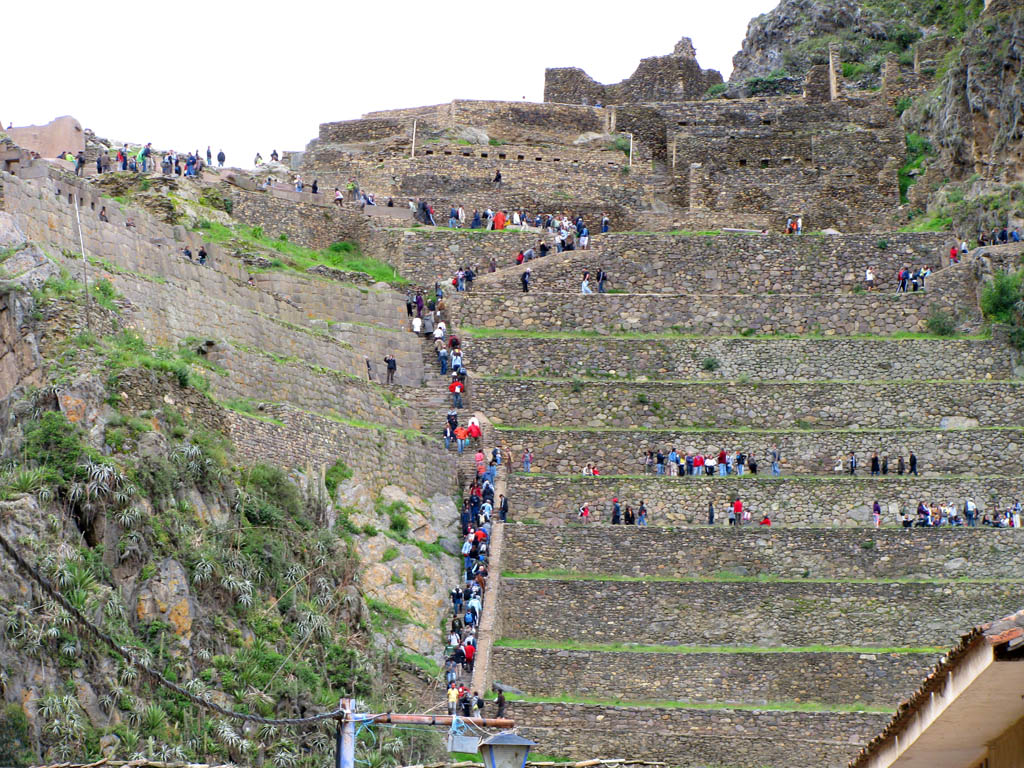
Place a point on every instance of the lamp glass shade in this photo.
(505, 751)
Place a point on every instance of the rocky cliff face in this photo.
(796, 34)
(975, 118)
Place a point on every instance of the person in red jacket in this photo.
(470, 652)
(456, 389)
(737, 510)
(765, 520)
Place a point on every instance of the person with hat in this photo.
(616, 512)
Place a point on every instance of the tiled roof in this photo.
(1008, 630)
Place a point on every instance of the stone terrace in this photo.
(703, 645)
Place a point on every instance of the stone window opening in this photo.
(538, 159)
(429, 152)
(70, 200)
(520, 157)
(787, 160)
(766, 162)
(467, 154)
(743, 162)
(501, 155)
(93, 205)
(447, 152)
(766, 122)
(557, 160)
(483, 154)
(683, 122)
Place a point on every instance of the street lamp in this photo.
(506, 750)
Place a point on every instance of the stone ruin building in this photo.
(828, 155)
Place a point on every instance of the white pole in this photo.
(413, 139)
(631, 150)
(85, 263)
(348, 735)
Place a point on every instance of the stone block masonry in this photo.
(296, 439)
(761, 359)
(795, 614)
(698, 738)
(951, 451)
(791, 553)
(661, 263)
(762, 405)
(839, 313)
(175, 298)
(788, 501)
(838, 679)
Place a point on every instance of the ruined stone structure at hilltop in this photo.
(676, 77)
(830, 155)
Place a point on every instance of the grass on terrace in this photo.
(572, 645)
(560, 574)
(842, 477)
(675, 333)
(289, 256)
(779, 706)
(748, 430)
(724, 382)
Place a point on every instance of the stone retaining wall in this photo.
(750, 613)
(792, 553)
(842, 313)
(951, 451)
(760, 359)
(839, 679)
(296, 439)
(661, 263)
(698, 738)
(256, 376)
(788, 501)
(843, 405)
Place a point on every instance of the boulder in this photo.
(165, 596)
(470, 134)
(10, 233)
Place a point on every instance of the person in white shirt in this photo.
(417, 325)
(869, 278)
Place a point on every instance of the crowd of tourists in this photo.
(953, 515)
(696, 463)
(481, 508)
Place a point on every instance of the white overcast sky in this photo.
(258, 75)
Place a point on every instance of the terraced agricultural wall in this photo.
(876, 679)
(761, 359)
(770, 613)
(697, 737)
(950, 451)
(788, 501)
(764, 405)
(793, 553)
(879, 313)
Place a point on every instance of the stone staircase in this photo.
(704, 645)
